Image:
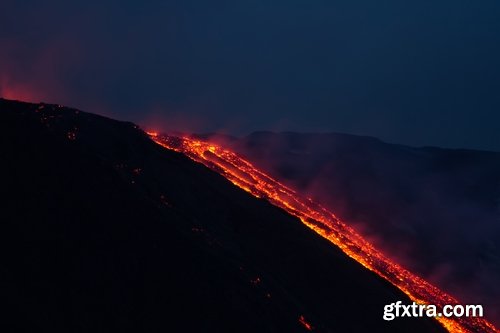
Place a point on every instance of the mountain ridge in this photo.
(104, 230)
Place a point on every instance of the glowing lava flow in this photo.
(246, 176)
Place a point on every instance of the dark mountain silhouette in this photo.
(435, 210)
(102, 230)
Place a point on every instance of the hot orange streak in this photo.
(243, 174)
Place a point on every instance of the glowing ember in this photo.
(243, 174)
(304, 323)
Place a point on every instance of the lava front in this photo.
(244, 175)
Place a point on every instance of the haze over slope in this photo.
(435, 210)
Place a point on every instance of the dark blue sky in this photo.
(413, 72)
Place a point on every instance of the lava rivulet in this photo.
(244, 175)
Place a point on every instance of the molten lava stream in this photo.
(244, 175)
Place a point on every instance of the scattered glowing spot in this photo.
(304, 323)
(71, 135)
(255, 281)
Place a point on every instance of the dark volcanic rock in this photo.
(102, 230)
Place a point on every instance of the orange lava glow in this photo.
(14, 91)
(244, 175)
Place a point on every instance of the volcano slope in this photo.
(435, 210)
(102, 230)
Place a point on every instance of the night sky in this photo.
(411, 72)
